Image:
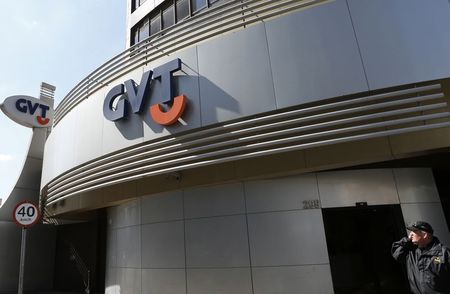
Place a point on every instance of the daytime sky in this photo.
(54, 41)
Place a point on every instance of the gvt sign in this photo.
(28, 111)
(127, 97)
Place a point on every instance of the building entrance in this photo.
(359, 241)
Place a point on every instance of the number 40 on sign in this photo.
(26, 214)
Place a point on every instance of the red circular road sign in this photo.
(26, 214)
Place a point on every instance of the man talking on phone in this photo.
(427, 260)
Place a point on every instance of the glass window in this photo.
(182, 9)
(144, 31)
(197, 5)
(134, 5)
(134, 36)
(155, 24)
(168, 17)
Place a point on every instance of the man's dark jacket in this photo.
(428, 268)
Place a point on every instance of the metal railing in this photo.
(81, 266)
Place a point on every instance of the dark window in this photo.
(135, 36)
(134, 5)
(197, 5)
(144, 31)
(155, 24)
(211, 2)
(182, 9)
(168, 17)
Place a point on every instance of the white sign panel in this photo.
(26, 214)
(28, 111)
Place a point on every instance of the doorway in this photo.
(359, 242)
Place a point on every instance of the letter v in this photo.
(136, 96)
(32, 108)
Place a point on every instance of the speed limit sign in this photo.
(26, 214)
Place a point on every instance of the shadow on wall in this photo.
(196, 114)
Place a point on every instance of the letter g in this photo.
(21, 105)
(120, 110)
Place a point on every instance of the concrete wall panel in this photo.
(276, 238)
(214, 201)
(235, 76)
(162, 207)
(217, 242)
(280, 194)
(416, 185)
(163, 281)
(314, 55)
(129, 247)
(345, 188)
(163, 245)
(402, 41)
(219, 281)
(128, 280)
(311, 279)
(89, 134)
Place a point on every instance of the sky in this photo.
(54, 41)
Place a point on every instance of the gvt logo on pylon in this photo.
(28, 111)
(119, 102)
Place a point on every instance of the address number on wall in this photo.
(311, 204)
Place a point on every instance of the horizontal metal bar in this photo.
(251, 146)
(241, 124)
(170, 151)
(252, 155)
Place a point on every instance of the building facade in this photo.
(255, 147)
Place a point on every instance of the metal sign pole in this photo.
(22, 259)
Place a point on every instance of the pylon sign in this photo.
(28, 111)
(26, 214)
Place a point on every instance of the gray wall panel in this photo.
(87, 141)
(314, 55)
(163, 245)
(59, 152)
(128, 281)
(280, 194)
(214, 201)
(416, 185)
(287, 238)
(111, 284)
(217, 242)
(124, 215)
(429, 212)
(345, 188)
(311, 279)
(162, 207)
(129, 247)
(402, 41)
(111, 248)
(219, 281)
(235, 76)
(163, 281)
